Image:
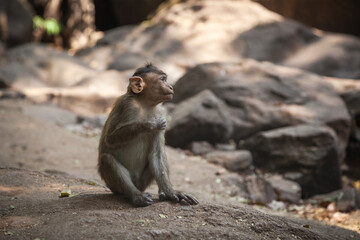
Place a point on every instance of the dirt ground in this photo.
(39, 158)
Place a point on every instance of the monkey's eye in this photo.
(163, 78)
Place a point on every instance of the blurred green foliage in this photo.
(51, 26)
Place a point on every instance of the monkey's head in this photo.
(150, 84)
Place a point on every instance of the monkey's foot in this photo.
(142, 200)
(147, 195)
(177, 196)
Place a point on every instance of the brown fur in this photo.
(132, 146)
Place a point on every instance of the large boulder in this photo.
(332, 55)
(273, 41)
(232, 30)
(259, 190)
(93, 213)
(202, 117)
(263, 96)
(286, 190)
(349, 90)
(307, 154)
(40, 65)
(345, 200)
(43, 74)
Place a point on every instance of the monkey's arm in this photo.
(126, 132)
(160, 168)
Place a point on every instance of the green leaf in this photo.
(162, 216)
(306, 226)
(141, 221)
(65, 193)
(12, 207)
(91, 183)
(8, 233)
(74, 194)
(52, 27)
(38, 22)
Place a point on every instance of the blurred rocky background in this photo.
(267, 90)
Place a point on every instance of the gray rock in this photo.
(331, 55)
(263, 96)
(287, 191)
(255, 43)
(226, 146)
(235, 161)
(203, 117)
(259, 190)
(349, 90)
(200, 148)
(254, 32)
(345, 199)
(309, 150)
(38, 65)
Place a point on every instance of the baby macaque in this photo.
(132, 145)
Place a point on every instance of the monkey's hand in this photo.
(157, 124)
(177, 196)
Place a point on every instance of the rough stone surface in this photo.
(332, 55)
(232, 30)
(259, 190)
(94, 213)
(44, 74)
(235, 161)
(202, 117)
(226, 146)
(345, 199)
(200, 148)
(262, 96)
(287, 191)
(39, 65)
(309, 151)
(349, 90)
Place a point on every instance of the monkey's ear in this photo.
(137, 84)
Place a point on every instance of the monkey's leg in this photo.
(160, 168)
(159, 165)
(118, 179)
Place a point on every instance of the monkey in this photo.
(132, 143)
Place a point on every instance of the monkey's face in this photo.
(157, 88)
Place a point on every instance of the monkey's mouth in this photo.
(169, 95)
